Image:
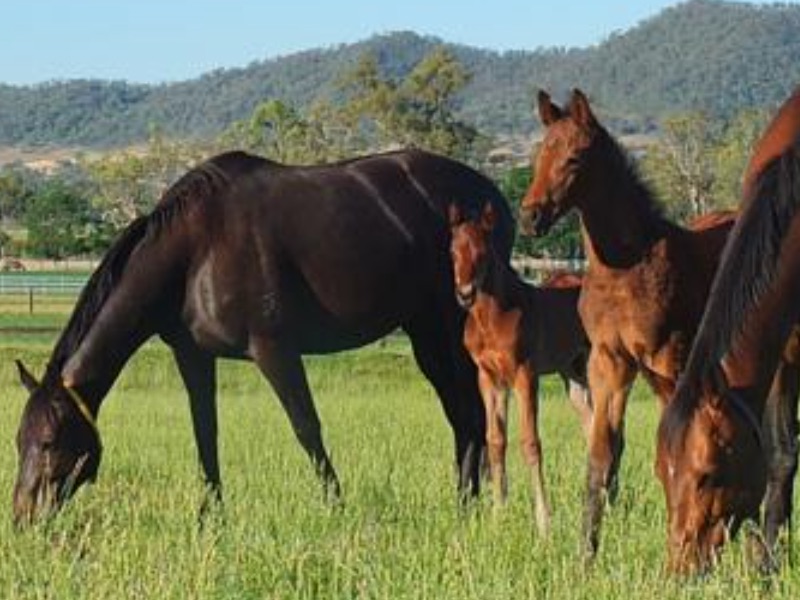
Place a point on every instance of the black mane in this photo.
(651, 210)
(747, 271)
(197, 184)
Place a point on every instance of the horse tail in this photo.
(746, 272)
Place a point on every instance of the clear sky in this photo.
(167, 40)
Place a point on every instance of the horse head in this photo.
(562, 170)
(710, 462)
(470, 248)
(58, 444)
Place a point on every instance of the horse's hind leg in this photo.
(446, 364)
(579, 398)
(781, 430)
(198, 370)
(526, 386)
(284, 370)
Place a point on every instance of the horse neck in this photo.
(500, 288)
(751, 361)
(125, 321)
(619, 220)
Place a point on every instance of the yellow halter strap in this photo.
(83, 408)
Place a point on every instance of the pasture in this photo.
(135, 534)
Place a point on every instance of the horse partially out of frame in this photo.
(729, 440)
(249, 259)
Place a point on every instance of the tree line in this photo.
(694, 166)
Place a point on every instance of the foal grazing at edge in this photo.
(514, 332)
(645, 285)
(246, 258)
(728, 440)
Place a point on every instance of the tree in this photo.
(427, 96)
(14, 193)
(60, 221)
(128, 184)
(681, 165)
(732, 154)
(697, 165)
(418, 110)
(279, 132)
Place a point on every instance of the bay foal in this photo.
(515, 332)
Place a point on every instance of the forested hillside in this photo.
(703, 54)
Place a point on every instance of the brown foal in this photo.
(645, 286)
(516, 332)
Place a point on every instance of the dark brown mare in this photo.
(246, 258)
(646, 282)
(730, 436)
(515, 333)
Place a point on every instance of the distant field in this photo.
(134, 534)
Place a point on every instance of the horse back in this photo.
(334, 256)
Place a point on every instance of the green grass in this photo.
(134, 534)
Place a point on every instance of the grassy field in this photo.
(135, 533)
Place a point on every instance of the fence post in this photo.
(30, 300)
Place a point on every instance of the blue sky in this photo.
(168, 40)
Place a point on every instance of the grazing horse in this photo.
(645, 285)
(515, 333)
(728, 436)
(250, 259)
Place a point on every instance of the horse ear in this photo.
(580, 110)
(453, 214)
(25, 376)
(548, 112)
(487, 217)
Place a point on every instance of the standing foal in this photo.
(515, 332)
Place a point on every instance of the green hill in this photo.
(703, 54)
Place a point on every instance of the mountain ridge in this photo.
(709, 55)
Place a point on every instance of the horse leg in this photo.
(579, 398)
(526, 386)
(446, 364)
(495, 402)
(781, 444)
(198, 371)
(284, 370)
(610, 378)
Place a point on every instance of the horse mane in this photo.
(647, 202)
(195, 186)
(746, 272)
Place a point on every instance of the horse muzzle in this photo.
(466, 295)
(535, 221)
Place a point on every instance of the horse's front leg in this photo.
(781, 447)
(198, 371)
(495, 403)
(610, 378)
(526, 386)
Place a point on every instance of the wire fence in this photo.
(33, 288)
